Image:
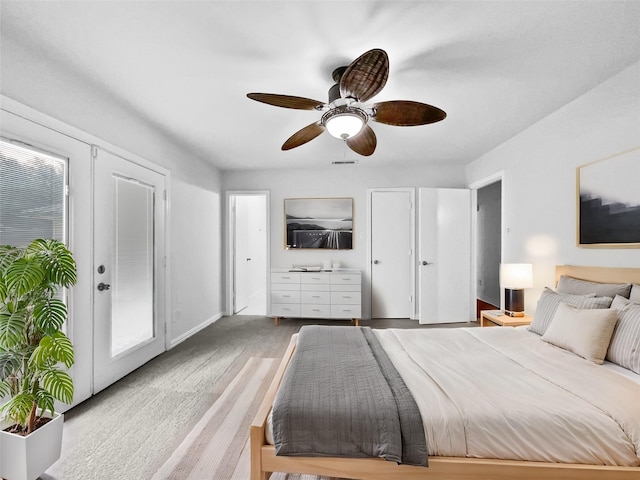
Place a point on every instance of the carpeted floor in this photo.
(154, 423)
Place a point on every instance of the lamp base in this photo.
(514, 302)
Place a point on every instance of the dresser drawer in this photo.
(323, 298)
(315, 311)
(345, 298)
(285, 277)
(284, 310)
(345, 311)
(345, 279)
(315, 278)
(287, 296)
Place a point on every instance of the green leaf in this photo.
(59, 384)
(52, 350)
(8, 255)
(10, 363)
(49, 315)
(45, 401)
(56, 259)
(18, 408)
(12, 329)
(23, 275)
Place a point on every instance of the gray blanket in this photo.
(342, 397)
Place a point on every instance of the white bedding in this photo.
(504, 393)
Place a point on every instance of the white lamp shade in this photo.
(516, 275)
(344, 125)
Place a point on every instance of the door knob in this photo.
(103, 286)
(375, 262)
(424, 262)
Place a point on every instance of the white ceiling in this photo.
(494, 67)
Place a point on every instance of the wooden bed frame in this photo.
(264, 460)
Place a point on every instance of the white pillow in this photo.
(585, 332)
(634, 296)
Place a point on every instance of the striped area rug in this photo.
(217, 448)
(218, 445)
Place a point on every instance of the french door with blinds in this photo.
(129, 266)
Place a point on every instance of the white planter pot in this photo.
(26, 458)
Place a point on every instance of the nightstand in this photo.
(496, 318)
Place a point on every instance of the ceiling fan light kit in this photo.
(345, 117)
(344, 122)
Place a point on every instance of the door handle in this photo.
(375, 262)
(103, 286)
(424, 262)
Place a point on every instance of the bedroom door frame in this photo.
(495, 177)
(230, 245)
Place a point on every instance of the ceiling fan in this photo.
(345, 116)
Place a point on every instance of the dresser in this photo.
(332, 294)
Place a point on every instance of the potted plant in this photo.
(34, 354)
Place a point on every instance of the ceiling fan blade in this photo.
(303, 136)
(285, 101)
(405, 113)
(364, 143)
(366, 75)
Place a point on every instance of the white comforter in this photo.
(504, 393)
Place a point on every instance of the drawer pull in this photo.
(346, 296)
(315, 278)
(286, 296)
(346, 309)
(286, 277)
(315, 296)
(286, 308)
(315, 309)
(347, 279)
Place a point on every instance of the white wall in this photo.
(539, 167)
(338, 181)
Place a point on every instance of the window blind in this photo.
(32, 195)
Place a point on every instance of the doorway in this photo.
(248, 252)
(391, 249)
(128, 267)
(488, 245)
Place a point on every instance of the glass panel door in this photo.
(129, 321)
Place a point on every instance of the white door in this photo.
(242, 255)
(444, 255)
(391, 254)
(129, 259)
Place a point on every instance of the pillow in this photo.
(620, 302)
(585, 332)
(575, 286)
(635, 293)
(624, 348)
(549, 301)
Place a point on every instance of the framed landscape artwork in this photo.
(609, 202)
(319, 223)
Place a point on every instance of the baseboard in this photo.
(194, 330)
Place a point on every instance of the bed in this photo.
(451, 467)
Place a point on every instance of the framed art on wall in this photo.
(319, 223)
(609, 202)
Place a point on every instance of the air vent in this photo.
(344, 162)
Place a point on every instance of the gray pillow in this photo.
(621, 302)
(624, 348)
(575, 286)
(635, 293)
(549, 301)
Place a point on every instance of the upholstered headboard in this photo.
(600, 274)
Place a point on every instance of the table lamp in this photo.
(515, 277)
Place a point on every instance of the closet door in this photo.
(129, 258)
(391, 250)
(444, 259)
